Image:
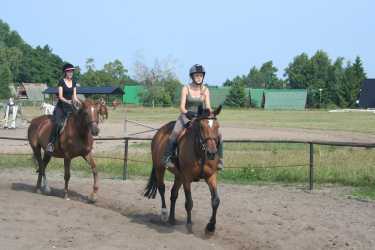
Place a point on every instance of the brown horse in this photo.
(76, 139)
(102, 110)
(197, 159)
(115, 103)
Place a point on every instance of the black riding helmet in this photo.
(197, 68)
(67, 67)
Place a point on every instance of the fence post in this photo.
(311, 172)
(125, 170)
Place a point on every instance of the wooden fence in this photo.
(311, 144)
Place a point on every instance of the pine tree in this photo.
(237, 96)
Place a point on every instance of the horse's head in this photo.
(209, 131)
(88, 112)
(102, 110)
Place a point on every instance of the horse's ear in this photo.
(218, 110)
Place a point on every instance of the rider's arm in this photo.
(75, 97)
(183, 100)
(61, 96)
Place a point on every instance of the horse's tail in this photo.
(151, 188)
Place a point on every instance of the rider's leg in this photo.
(220, 166)
(172, 141)
(57, 119)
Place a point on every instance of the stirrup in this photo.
(220, 165)
(50, 147)
(168, 163)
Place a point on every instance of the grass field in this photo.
(313, 119)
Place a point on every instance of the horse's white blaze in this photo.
(210, 123)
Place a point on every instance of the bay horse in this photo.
(102, 110)
(197, 159)
(76, 139)
(115, 103)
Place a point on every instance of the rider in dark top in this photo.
(67, 94)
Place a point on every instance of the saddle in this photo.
(183, 131)
(179, 137)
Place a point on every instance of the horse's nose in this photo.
(211, 154)
(211, 151)
(95, 129)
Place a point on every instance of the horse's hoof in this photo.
(164, 215)
(210, 228)
(189, 228)
(66, 197)
(46, 190)
(93, 198)
(38, 191)
(172, 221)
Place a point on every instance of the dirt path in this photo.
(250, 217)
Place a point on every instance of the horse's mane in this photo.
(203, 112)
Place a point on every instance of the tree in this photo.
(227, 83)
(255, 78)
(312, 74)
(298, 71)
(237, 96)
(113, 73)
(160, 81)
(12, 57)
(5, 80)
(354, 75)
(336, 83)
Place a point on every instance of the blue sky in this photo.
(227, 37)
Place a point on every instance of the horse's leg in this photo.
(188, 204)
(45, 187)
(38, 157)
(215, 201)
(161, 189)
(67, 162)
(174, 195)
(92, 164)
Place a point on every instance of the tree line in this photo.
(328, 82)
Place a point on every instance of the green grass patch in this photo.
(244, 163)
(364, 193)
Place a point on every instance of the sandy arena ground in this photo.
(250, 217)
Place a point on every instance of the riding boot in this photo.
(53, 138)
(220, 166)
(169, 153)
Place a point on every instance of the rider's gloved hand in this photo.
(190, 115)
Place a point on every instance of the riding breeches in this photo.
(60, 113)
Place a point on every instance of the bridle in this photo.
(89, 122)
(204, 140)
